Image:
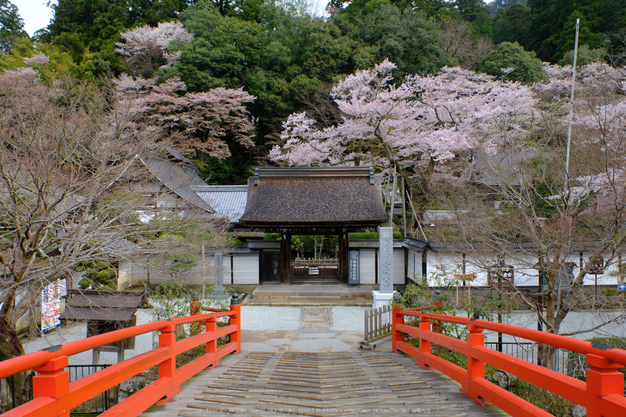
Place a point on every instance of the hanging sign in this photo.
(51, 304)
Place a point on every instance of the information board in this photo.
(354, 268)
(51, 304)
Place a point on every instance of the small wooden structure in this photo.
(311, 201)
(105, 311)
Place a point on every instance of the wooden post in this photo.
(396, 336)
(602, 379)
(475, 367)
(167, 368)
(344, 255)
(52, 381)
(211, 346)
(235, 305)
(424, 344)
(285, 254)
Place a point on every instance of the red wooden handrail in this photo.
(602, 394)
(53, 395)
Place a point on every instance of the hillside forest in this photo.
(272, 59)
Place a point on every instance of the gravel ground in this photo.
(348, 319)
(270, 318)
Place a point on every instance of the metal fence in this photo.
(101, 402)
(15, 390)
(532, 352)
(18, 389)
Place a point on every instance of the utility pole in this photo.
(571, 108)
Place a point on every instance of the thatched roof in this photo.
(309, 197)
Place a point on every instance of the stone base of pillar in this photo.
(382, 298)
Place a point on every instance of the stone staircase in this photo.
(325, 384)
(310, 295)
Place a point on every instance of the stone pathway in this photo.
(315, 318)
(315, 331)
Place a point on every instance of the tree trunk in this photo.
(11, 347)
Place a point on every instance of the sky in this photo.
(35, 13)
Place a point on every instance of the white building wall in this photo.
(246, 268)
(414, 265)
(398, 266)
(368, 266)
(444, 265)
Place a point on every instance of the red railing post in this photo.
(167, 368)
(211, 346)
(235, 306)
(52, 381)
(396, 336)
(602, 379)
(424, 347)
(475, 367)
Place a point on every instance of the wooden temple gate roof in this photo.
(318, 199)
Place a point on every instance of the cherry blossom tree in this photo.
(198, 122)
(552, 214)
(148, 48)
(425, 125)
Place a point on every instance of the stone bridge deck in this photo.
(320, 384)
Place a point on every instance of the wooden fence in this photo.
(377, 322)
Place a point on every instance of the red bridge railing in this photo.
(602, 394)
(54, 395)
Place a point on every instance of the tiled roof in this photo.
(228, 201)
(179, 177)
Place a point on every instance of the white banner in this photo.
(51, 304)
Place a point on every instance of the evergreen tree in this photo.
(11, 26)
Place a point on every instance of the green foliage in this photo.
(552, 403)
(553, 24)
(577, 364)
(315, 246)
(93, 27)
(409, 39)
(585, 56)
(99, 275)
(526, 68)
(364, 235)
(61, 63)
(272, 236)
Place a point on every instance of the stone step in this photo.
(350, 295)
(310, 295)
(363, 302)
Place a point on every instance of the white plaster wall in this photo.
(414, 265)
(398, 266)
(447, 264)
(246, 268)
(367, 266)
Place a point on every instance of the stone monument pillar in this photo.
(219, 292)
(385, 267)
